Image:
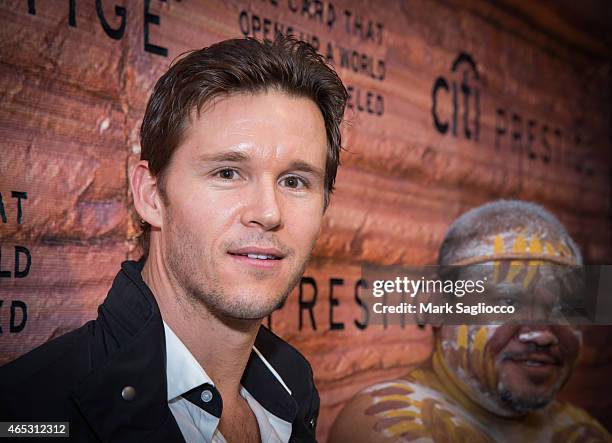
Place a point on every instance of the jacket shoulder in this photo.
(53, 358)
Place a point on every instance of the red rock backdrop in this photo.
(453, 104)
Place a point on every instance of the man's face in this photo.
(514, 368)
(533, 363)
(510, 368)
(244, 196)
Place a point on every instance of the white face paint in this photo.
(531, 336)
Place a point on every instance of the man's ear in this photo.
(145, 193)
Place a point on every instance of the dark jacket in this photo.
(79, 377)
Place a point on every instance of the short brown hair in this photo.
(238, 66)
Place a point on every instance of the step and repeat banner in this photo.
(452, 104)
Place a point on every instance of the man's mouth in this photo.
(534, 360)
(535, 363)
(257, 253)
(260, 256)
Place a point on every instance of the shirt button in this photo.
(206, 396)
(128, 393)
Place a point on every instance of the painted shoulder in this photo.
(573, 424)
(413, 409)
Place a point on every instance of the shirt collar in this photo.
(260, 379)
(264, 389)
(183, 371)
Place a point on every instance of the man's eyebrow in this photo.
(237, 156)
(303, 166)
(227, 156)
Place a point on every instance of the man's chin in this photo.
(523, 401)
(249, 305)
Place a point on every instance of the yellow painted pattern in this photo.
(478, 349)
(406, 426)
(480, 340)
(520, 247)
(400, 413)
(401, 386)
(529, 246)
(430, 419)
(535, 247)
(462, 337)
(400, 398)
(498, 248)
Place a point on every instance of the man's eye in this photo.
(227, 174)
(293, 182)
(508, 301)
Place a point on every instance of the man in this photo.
(490, 383)
(240, 147)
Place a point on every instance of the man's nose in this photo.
(540, 336)
(262, 208)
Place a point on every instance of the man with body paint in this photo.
(490, 383)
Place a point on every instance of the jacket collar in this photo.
(128, 349)
(263, 383)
